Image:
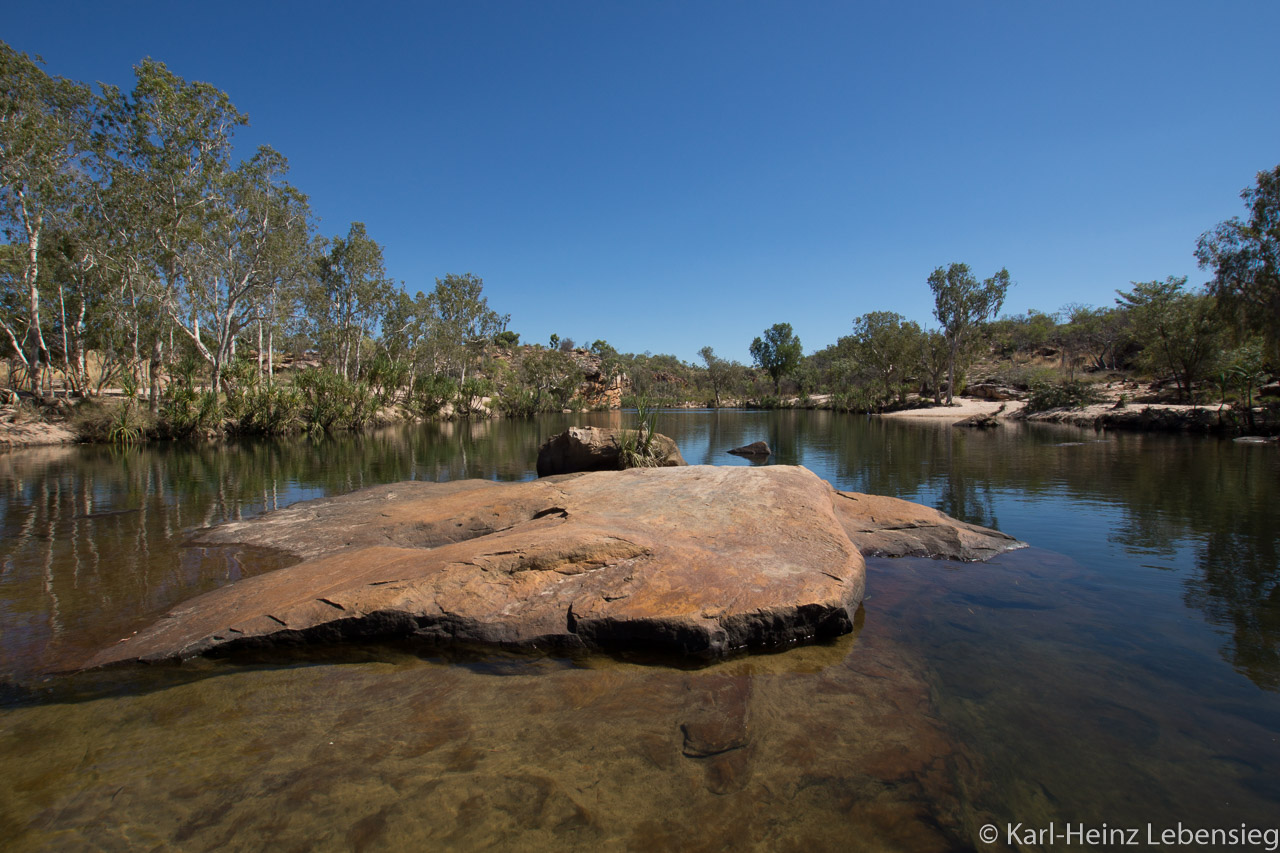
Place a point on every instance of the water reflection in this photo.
(1081, 680)
(91, 537)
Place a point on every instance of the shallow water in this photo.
(1123, 670)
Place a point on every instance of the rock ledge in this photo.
(698, 561)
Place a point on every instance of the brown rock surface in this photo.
(890, 527)
(755, 448)
(698, 561)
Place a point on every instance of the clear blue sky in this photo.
(667, 175)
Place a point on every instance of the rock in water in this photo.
(983, 420)
(892, 527)
(696, 561)
(755, 448)
(591, 449)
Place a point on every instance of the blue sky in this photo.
(671, 175)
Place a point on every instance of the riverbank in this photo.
(19, 428)
(1142, 417)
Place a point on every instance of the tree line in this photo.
(139, 253)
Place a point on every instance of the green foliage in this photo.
(551, 377)
(1245, 259)
(1023, 376)
(1180, 331)
(124, 423)
(1243, 369)
(471, 395)
(1069, 393)
(264, 409)
(507, 339)
(960, 305)
(430, 392)
(935, 360)
(462, 321)
(518, 402)
(635, 448)
(1023, 334)
(348, 295)
(886, 344)
(330, 402)
(44, 134)
(186, 412)
(855, 400)
(387, 376)
(778, 352)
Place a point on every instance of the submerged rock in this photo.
(696, 561)
(755, 448)
(593, 449)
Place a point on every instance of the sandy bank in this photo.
(964, 407)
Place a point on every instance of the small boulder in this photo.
(593, 449)
(983, 420)
(755, 448)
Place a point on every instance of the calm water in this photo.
(1125, 670)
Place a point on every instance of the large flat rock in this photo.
(697, 561)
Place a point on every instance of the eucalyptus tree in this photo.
(463, 321)
(1097, 334)
(886, 345)
(45, 125)
(1245, 259)
(961, 304)
(935, 360)
(256, 239)
(777, 352)
(1179, 330)
(171, 144)
(349, 295)
(717, 371)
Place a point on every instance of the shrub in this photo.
(518, 402)
(854, 400)
(185, 412)
(429, 394)
(330, 402)
(635, 447)
(1072, 394)
(1023, 376)
(470, 394)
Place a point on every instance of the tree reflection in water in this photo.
(91, 537)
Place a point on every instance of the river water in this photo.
(1120, 677)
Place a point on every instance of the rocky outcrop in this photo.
(754, 449)
(891, 527)
(982, 420)
(580, 449)
(1155, 417)
(698, 561)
